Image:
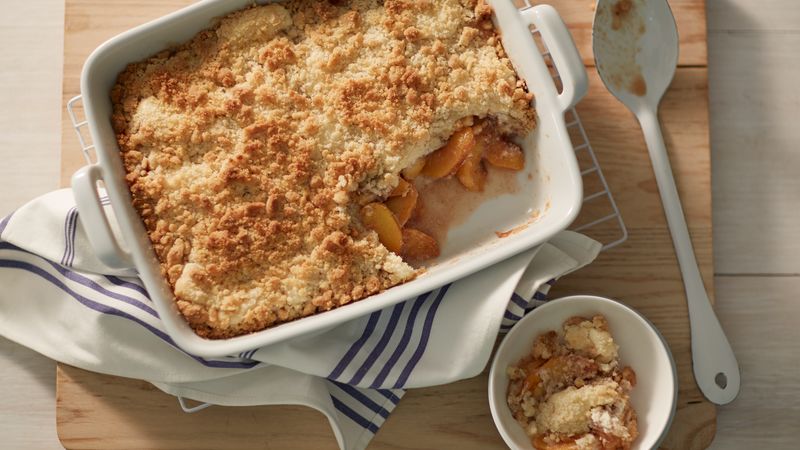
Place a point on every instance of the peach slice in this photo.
(403, 205)
(568, 443)
(472, 173)
(378, 218)
(418, 246)
(419, 209)
(446, 160)
(629, 375)
(401, 189)
(415, 169)
(532, 379)
(505, 155)
(532, 382)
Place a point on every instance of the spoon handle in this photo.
(715, 368)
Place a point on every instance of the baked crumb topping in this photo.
(251, 149)
(570, 392)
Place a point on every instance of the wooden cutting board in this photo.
(104, 412)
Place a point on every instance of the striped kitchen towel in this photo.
(59, 300)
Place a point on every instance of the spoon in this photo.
(635, 45)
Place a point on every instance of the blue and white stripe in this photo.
(385, 354)
(248, 355)
(364, 409)
(391, 345)
(4, 223)
(125, 299)
(518, 307)
(70, 228)
(70, 225)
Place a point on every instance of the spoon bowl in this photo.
(635, 44)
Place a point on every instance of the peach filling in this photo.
(464, 156)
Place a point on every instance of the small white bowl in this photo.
(641, 346)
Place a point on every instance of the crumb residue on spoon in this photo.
(622, 9)
(617, 36)
(638, 86)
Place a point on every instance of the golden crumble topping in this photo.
(570, 392)
(250, 149)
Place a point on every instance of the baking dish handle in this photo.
(567, 60)
(94, 220)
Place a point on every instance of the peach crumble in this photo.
(570, 392)
(272, 156)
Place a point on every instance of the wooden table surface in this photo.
(95, 411)
(752, 52)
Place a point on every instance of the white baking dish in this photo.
(553, 195)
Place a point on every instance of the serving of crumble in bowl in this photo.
(583, 372)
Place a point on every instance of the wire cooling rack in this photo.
(600, 217)
(73, 106)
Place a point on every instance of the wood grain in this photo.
(753, 54)
(27, 386)
(756, 187)
(751, 16)
(102, 412)
(760, 315)
(29, 88)
(754, 57)
(96, 411)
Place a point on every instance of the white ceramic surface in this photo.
(646, 43)
(554, 192)
(640, 346)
